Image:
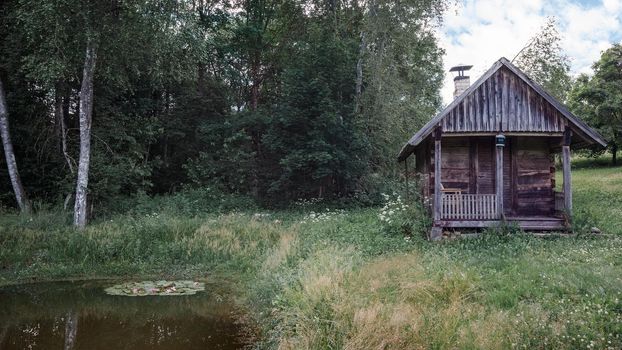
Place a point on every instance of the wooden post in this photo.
(566, 169)
(437, 231)
(437, 175)
(499, 178)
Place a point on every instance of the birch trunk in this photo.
(86, 113)
(16, 182)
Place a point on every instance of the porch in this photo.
(478, 183)
(459, 210)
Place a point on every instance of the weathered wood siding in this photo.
(486, 165)
(455, 164)
(508, 188)
(468, 164)
(503, 99)
(534, 176)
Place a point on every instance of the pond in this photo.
(80, 315)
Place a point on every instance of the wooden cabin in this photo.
(488, 157)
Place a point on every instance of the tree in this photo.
(543, 60)
(599, 98)
(402, 74)
(18, 189)
(315, 148)
(86, 116)
(140, 55)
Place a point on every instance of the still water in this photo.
(79, 315)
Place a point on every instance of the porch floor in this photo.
(529, 223)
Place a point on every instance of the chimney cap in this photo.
(460, 68)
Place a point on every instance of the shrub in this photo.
(401, 218)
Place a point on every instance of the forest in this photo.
(274, 100)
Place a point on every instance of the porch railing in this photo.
(560, 204)
(458, 206)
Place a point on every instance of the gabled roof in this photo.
(587, 134)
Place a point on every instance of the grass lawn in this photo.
(597, 193)
(339, 279)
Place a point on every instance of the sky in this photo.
(480, 32)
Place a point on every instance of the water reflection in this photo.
(81, 316)
(71, 329)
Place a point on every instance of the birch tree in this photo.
(16, 182)
(543, 59)
(86, 116)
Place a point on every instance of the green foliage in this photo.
(544, 61)
(599, 98)
(188, 202)
(263, 98)
(407, 218)
(402, 73)
(312, 132)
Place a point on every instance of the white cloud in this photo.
(480, 32)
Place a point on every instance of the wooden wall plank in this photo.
(485, 163)
(533, 186)
(504, 98)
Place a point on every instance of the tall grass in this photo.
(486, 293)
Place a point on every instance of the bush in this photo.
(401, 218)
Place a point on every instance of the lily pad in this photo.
(144, 288)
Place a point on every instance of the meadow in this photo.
(316, 278)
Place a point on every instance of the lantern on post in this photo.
(500, 140)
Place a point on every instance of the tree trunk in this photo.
(18, 189)
(86, 114)
(60, 104)
(614, 154)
